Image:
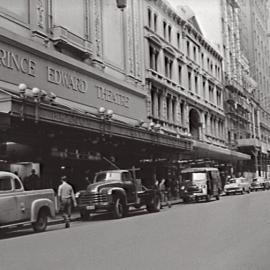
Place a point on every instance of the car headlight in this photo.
(183, 187)
(77, 195)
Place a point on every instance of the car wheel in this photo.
(154, 205)
(208, 197)
(119, 208)
(217, 197)
(41, 224)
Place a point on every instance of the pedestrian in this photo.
(164, 192)
(66, 197)
(33, 181)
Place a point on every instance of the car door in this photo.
(129, 186)
(23, 212)
(8, 210)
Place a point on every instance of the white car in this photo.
(237, 185)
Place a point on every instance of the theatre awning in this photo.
(58, 114)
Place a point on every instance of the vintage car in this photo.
(258, 183)
(238, 185)
(115, 191)
(19, 207)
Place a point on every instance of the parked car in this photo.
(19, 207)
(238, 185)
(258, 183)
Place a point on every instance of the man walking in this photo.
(66, 197)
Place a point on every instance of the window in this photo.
(194, 53)
(153, 54)
(189, 80)
(164, 30)
(149, 18)
(169, 33)
(5, 183)
(155, 22)
(168, 62)
(182, 112)
(211, 93)
(202, 56)
(17, 184)
(70, 14)
(173, 109)
(188, 49)
(180, 74)
(126, 177)
(203, 86)
(168, 107)
(16, 9)
(178, 40)
(219, 98)
(196, 84)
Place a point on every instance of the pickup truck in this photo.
(19, 207)
(115, 191)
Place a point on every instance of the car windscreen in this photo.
(106, 176)
(194, 177)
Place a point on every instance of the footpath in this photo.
(75, 216)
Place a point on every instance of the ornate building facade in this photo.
(184, 76)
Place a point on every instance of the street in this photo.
(231, 234)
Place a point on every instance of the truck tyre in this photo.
(119, 208)
(217, 197)
(154, 205)
(41, 224)
(85, 215)
(208, 197)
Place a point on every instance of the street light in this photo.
(121, 4)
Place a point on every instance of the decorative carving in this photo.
(41, 14)
(130, 43)
(137, 28)
(97, 21)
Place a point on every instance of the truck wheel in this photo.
(85, 215)
(119, 208)
(41, 224)
(154, 205)
(217, 197)
(208, 198)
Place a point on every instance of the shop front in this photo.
(58, 115)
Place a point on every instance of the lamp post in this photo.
(22, 89)
(121, 4)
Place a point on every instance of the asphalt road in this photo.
(231, 234)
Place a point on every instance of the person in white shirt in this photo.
(66, 197)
